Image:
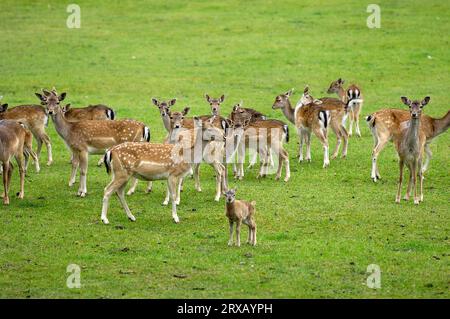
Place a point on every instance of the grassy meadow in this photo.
(316, 234)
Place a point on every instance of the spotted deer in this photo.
(91, 112)
(353, 93)
(264, 137)
(150, 161)
(89, 136)
(15, 141)
(410, 144)
(35, 119)
(215, 111)
(387, 123)
(164, 110)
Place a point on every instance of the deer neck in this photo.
(441, 125)
(412, 135)
(342, 95)
(62, 126)
(166, 122)
(289, 112)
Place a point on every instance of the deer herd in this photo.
(212, 139)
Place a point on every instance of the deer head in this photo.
(51, 100)
(164, 106)
(335, 86)
(230, 195)
(415, 107)
(307, 98)
(282, 100)
(215, 103)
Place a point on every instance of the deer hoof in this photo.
(132, 218)
(105, 221)
(176, 219)
(49, 163)
(230, 243)
(165, 203)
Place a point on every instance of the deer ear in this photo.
(46, 92)
(405, 100)
(207, 97)
(186, 110)
(425, 101)
(40, 97)
(155, 101)
(4, 107)
(289, 93)
(340, 81)
(222, 98)
(66, 108)
(306, 90)
(62, 96)
(172, 102)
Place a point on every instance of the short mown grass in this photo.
(316, 234)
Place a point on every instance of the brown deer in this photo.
(91, 112)
(263, 137)
(15, 141)
(410, 144)
(353, 92)
(240, 211)
(164, 111)
(89, 137)
(219, 121)
(386, 123)
(149, 161)
(35, 119)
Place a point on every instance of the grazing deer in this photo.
(240, 211)
(91, 112)
(149, 161)
(386, 123)
(263, 137)
(15, 141)
(353, 92)
(410, 144)
(35, 119)
(89, 137)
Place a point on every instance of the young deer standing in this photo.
(89, 137)
(15, 141)
(240, 211)
(149, 161)
(410, 144)
(386, 123)
(35, 119)
(353, 92)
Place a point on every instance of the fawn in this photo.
(240, 211)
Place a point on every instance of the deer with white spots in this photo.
(89, 137)
(35, 119)
(387, 123)
(353, 93)
(150, 161)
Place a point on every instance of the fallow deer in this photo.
(149, 161)
(410, 144)
(240, 211)
(89, 137)
(353, 92)
(386, 123)
(91, 112)
(35, 119)
(15, 141)
(164, 111)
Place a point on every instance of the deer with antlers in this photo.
(89, 137)
(35, 119)
(15, 141)
(410, 145)
(353, 93)
(387, 123)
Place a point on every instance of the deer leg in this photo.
(380, 145)
(338, 134)
(308, 146)
(254, 232)
(100, 161)
(238, 232)
(180, 183)
(350, 127)
(358, 108)
(428, 155)
(75, 164)
(167, 198)
(119, 179)
(230, 241)
(345, 137)
(121, 194)
(420, 180)
(285, 156)
(172, 183)
(197, 177)
(150, 187)
(82, 191)
(400, 180)
(262, 165)
(6, 169)
(408, 190)
(21, 164)
(300, 147)
(44, 137)
(219, 169)
(414, 168)
(324, 141)
(134, 182)
(253, 160)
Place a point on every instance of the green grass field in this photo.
(316, 234)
